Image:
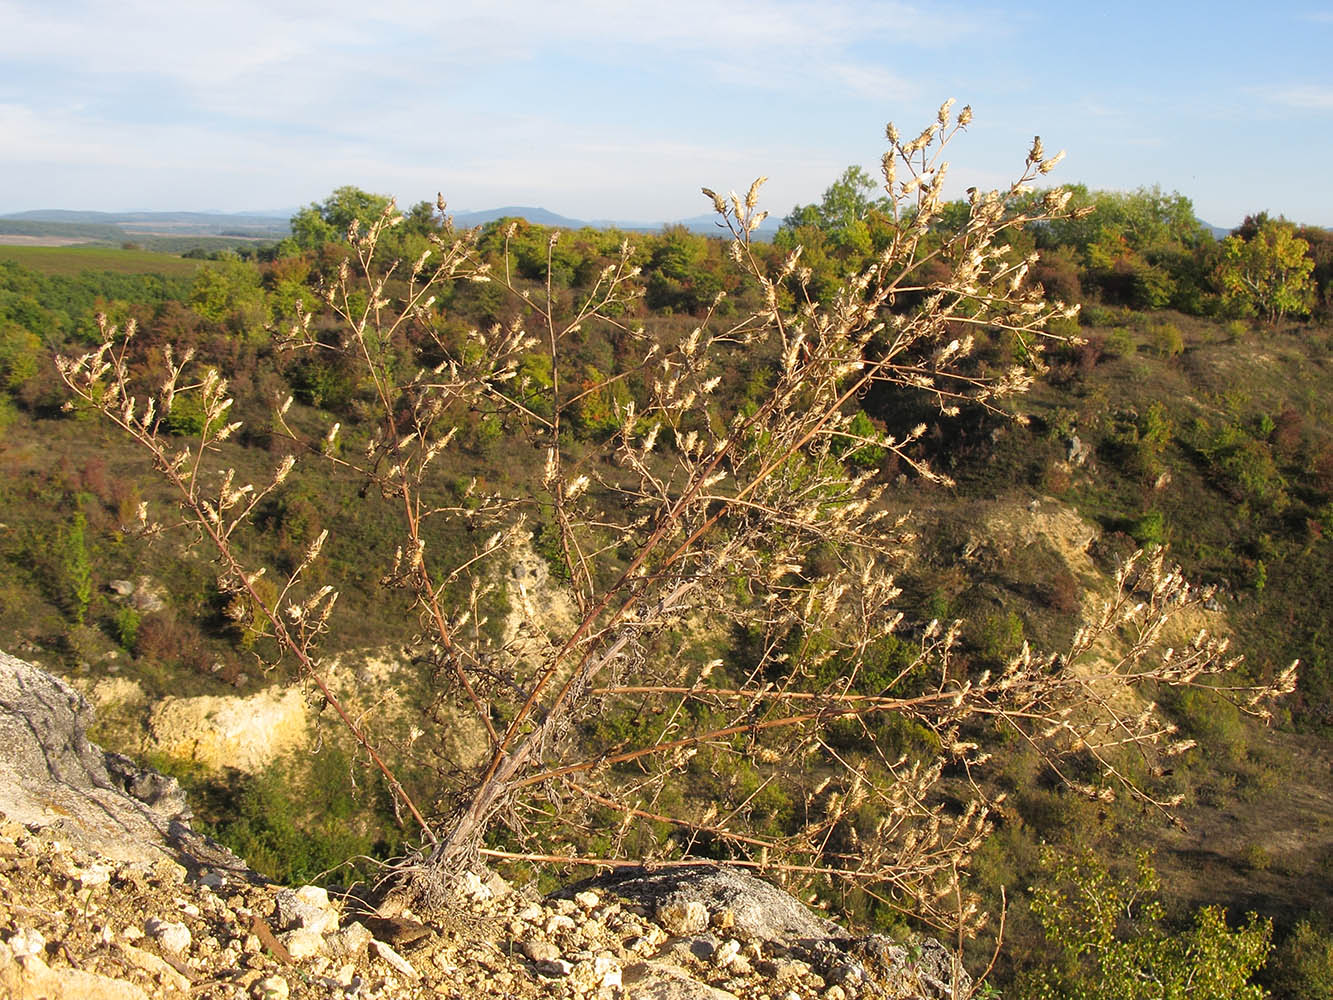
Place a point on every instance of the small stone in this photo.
(540, 951)
(212, 880)
(171, 935)
(835, 993)
(530, 913)
(558, 922)
(252, 945)
(349, 942)
(587, 899)
(27, 942)
(726, 953)
(724, 919)
(393, 959)
(168, 872)
(683, 918)
(471, 886)
(303, 943)
(92, 876)
(314, 895)
(556, 968)
(271, 988)
(607, 973)
(307, 908)
(848, 974)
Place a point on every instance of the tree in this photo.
(842, 213)
(330, 220)
(1113, 943)
(697, 519)
(1268, 273)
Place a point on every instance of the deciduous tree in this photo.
(1269, 273)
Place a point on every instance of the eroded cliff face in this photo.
(106, 894)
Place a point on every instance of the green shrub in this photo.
(1120, 343)
(126, 625)
(1111, 941)
(1001, 636)
(1167, 340)
(1148, 529)
(1303, 964)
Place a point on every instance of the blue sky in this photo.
(623, 110)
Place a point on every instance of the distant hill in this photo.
(68, 225)
(704, 224)
(115, 227)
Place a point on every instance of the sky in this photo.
(622, 110)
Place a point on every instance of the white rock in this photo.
(314, 895)
(271, 988)
(93, 875)
(726, 953)
(303, 943)
(587, 899)
(348, 942)
(607, 972)
(303, 909)
(471, 886)
(171, 935)
(27, 942)
(557, 922)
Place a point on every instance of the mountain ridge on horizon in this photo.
(134, 221)
(274, 222)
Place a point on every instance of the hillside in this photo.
(1178, 420)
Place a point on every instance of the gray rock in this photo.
(1077, 451)
(349, 942)
(759, 910)
(664, 982)
(52, 776)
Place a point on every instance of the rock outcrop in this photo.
(51, 776)
(106, 894)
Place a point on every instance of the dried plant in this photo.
(701, 520)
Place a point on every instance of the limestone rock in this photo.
(759, 910)
(170, 934)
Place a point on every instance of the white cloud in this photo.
(1307, 97)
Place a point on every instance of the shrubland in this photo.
(737, 682)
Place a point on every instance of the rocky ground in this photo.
(107, 894)
(75, 925)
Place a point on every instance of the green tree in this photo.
(1113, 942)
(1269, 273)
(844, 212)
(20, 354)
(328, 221)
(229, 292)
